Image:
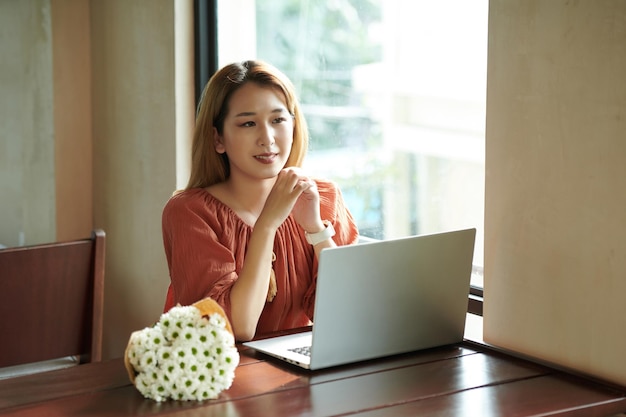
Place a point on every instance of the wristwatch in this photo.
(327, 233)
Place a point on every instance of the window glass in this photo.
(394, 95)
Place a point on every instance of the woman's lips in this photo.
(266, 158)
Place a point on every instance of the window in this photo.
(394, 94)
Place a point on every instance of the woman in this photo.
(249, 216)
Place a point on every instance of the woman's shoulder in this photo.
(183, 198)
(191, 200)
(200, 203)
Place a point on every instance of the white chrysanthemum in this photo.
(207, 390)
(188, 387)
(189, 336)
(136, 348)
(148, 362)
(153, 338)
(178, 319)
(170, 372)
(218, 321)
(145, 384)
(231, 357)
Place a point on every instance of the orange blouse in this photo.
(205, 244)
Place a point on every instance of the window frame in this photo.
(205, 43)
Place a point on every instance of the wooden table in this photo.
(467, 379)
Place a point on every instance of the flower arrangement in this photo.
(189, 354)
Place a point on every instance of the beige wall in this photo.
(555, 254)
(134, 120)
(71, 107)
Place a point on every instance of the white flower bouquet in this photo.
(189, 354)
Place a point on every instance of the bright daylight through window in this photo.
(394, 94)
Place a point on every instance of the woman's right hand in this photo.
(290, 184)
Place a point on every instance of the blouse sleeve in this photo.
(200, 264)
(333, 209)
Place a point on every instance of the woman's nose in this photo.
(266, 136)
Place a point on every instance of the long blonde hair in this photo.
(209, 167)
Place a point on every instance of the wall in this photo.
(27, 168)
(555, 270)
(71, 107)
(134, 120)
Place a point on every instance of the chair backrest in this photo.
(51, 301)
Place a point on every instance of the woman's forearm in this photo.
(249, 292)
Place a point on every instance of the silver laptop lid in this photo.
(393, 296)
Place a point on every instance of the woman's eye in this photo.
(247, 124)
(280, 120)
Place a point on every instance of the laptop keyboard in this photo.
(304, 350)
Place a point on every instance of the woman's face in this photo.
(258, 132)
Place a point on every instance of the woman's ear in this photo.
(218, 141)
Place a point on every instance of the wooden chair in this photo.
(51, 301)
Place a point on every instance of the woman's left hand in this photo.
(306, 211)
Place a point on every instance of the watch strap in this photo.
(327, 233)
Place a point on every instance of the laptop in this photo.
(383, 298)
